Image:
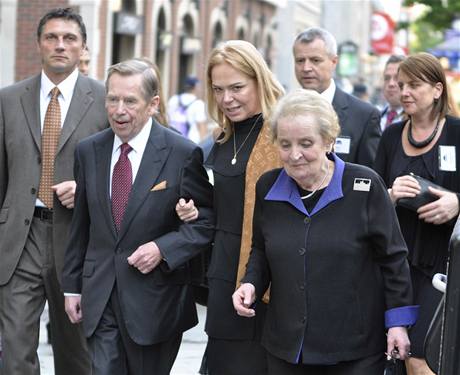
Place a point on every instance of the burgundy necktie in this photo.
(390, 117)
(122, 179)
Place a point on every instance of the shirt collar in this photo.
(285, 189)
(65, 87)
(329, 93)
(139, 142)
(399, 110)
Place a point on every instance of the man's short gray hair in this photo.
(149, 87)
(313, 33)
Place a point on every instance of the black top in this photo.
(229, 188)
(333, 271)
(427, 243)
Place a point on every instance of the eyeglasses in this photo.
(114, 101)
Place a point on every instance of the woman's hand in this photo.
(404, 187)
(186, 210)
(441, 210)
(398, 344)
(243, 298)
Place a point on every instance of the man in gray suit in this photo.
(315, 55)
(33, 230)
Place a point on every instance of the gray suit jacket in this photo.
(361, 122)
(20, 159)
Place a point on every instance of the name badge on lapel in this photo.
(342, 145)
(447, 159)
(362, 184)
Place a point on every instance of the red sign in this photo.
(382, 33)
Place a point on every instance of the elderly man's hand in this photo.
(73, 308)
(146, 257)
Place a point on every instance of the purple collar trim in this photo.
(285, 189)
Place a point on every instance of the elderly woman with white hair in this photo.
(326, 240)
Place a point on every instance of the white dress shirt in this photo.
(329, 93)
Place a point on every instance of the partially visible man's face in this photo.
(127, 109)
(60, 46)
(314, 67)
(391, 90)
(83, 65)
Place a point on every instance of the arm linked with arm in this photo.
(179, 246)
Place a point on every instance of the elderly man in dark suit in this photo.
(315, 55)
(126, 273)
(41, 120)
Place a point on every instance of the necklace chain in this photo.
(319, 186)
(425, 142)
(235, 151)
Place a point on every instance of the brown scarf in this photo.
(264, 157)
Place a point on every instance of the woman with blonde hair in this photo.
(241, 91)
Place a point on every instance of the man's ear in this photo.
(154, 105)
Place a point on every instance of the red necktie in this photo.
(122, 179)
(390, 117)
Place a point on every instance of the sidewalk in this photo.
(187, 363)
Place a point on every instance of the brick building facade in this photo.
(176, 34)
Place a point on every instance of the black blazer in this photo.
(361, 122)
(333, 272)
(160, 304)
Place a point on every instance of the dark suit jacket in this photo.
(361, 122)
(160, 304)
(333, 272)
(20, 158)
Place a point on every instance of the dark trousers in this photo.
(22, 301)
(235, 357)
(373, 365)
(113, 352)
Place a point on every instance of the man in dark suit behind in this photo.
(36, 196)
(315, 55)
(126, 273)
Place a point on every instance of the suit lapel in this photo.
(103, 150)
(30, 101)
(155, 155)
(340, 104)
(81, 101)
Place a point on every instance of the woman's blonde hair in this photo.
(302, 102)
(245, 58)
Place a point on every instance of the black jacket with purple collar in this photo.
(338, 274)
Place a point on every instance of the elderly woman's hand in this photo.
(404, 187)
(243, 298)
(441, 210)
(398, 344)
(186, 210)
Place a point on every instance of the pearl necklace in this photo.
(235, 151)
(321, 184)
